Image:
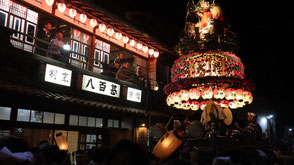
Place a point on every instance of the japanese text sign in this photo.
(57, 75)
(134, 94)
(96, 85)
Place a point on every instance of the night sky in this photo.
(266, 36)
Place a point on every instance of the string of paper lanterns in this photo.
(195, 98)
(102, 27)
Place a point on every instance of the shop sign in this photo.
(57, 75)
(103, 87)
(134, 94)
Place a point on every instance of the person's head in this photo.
(48, 26)
(251, 117)
(138, 70)
(120, 55)
(126, 65)
(59, 36)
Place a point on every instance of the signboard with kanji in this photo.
(134, 94)
(57, 75)
(100, 86)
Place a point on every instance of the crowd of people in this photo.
(14, 150)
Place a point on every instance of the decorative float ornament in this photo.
(145, 49)
(186, 106)
(151, 51)
(72, 13)
(233, 105)
(125, 39)
(49, 2)
(132, 43)
(139, 46)
(110, 32)
(176, 98)
(118, 35)
(61, 7)
(83, 18)
(102, 27)
(202, 105)
(156, 54)
(93, 22)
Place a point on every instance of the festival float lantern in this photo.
(212, 71)
(151, 51)
(194, 105)
(132, 43)
(61, 7)
(61, 141)
(139, 46)
(83, 18)
(145, 49)
(93, 22)
(184, 95)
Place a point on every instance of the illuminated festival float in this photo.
(207, 76)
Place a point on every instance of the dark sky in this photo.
(266, 42)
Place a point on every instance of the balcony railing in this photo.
(85, 62)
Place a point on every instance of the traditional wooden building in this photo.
(71, 87)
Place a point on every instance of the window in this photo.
(105, 58)
(86, 53)
(82, 121)
(3, 18)
(16, 27)
(59, 118)
(4, 133)
(97, 58)
(23, 115)
(31, 31)
(99, 122)
(5, 113)
(112, 123)
(87, 141)
(73, 120)
(75, 48)
(91, 121)
(48, 118)
(36, 117)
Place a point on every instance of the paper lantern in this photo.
(184, 95)
(219, 93)
(230, 94)
(83, 18)
(194, 94)
(132, 43)
(194, 105)
(85, 37)
(169, 100)
(168, 143)
(125, 39)
(176, 98)
(239, 94)
(156, 54)
(202, 105)
(49, 2)
(233, 105)
(139, 46)
(72, 13)
(247, 97)
(206, 93)
(76, 33)
(224, 103)
(151, 51)
(110, 31)
(102, 27)
(61, 141)
(61, 7)
(180, 105)
(118, 35)
(93, 23)
(186, 105)
(145, 49)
